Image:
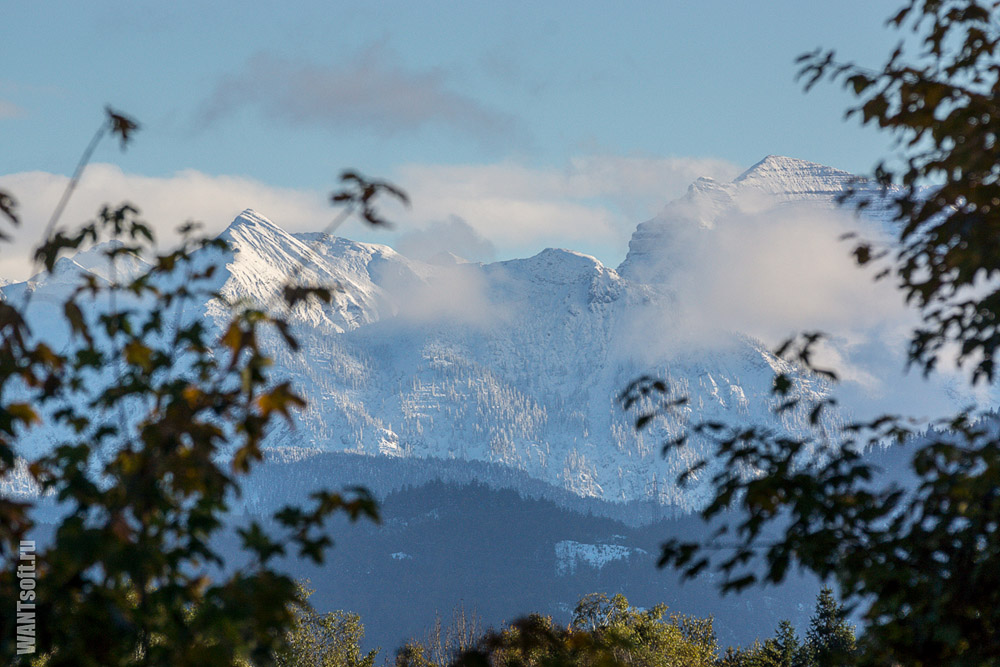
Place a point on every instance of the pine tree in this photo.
(782, 650)
(830, 641)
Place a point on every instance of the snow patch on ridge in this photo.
(571, 554)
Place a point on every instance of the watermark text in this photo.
(26, 598)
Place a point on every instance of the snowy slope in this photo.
(529, 379)
(516, 362)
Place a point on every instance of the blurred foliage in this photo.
(155, 417)
(362, 193)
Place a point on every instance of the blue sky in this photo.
(523, 124)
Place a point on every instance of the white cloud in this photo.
(165, 203)
(446, 296)
(453, 235)
(780, 270)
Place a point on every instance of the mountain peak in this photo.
(772, 163)
(788, 176)
(558, 266)
(775, 180)
(250, 219)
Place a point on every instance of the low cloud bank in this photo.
(591, 204)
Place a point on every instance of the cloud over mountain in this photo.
(591, 203)
(453, 235)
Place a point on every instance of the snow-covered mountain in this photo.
(774, 183)
(518, 362)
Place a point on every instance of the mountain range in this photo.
(517, 364)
